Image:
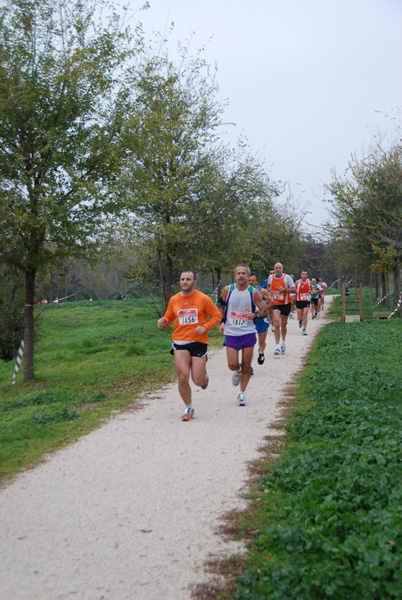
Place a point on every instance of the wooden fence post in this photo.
(343, 295)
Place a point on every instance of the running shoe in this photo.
(304, 332)
(291, 315)
(300, 324)
(277, 351)
(283, 348)
(273, 328)
(261, 357)
(188, 414)
(251, 370)
(241, 401)
(236, 377)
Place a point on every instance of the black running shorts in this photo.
(284, 308)
(195, 348)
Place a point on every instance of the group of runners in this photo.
(245, 310)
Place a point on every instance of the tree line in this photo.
(366, 209)
(106, 144)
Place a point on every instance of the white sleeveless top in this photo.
(238, 304)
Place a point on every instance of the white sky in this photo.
(309, 82)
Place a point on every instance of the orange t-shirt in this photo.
(189, 312)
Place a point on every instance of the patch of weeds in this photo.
(135, 349)
(46, 418)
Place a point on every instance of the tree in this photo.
(367, 207)
(168, 139)
(62, 104)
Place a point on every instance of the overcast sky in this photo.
(308, 81)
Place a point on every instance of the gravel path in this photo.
(131, 510)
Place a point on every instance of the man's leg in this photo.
(233, 358)
(305, 317)
(284, 326)
(199, 370)
(277, 332)
(247, 357)
(262, 337)
(300, 315)
(182, 362)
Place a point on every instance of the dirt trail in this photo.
(131, 510)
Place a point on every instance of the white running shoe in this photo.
(277, 350)
(283, 348)
(241, 401)
(304, 332)
(291, 315)
(236, 377)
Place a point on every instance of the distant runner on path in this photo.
(282, 286)
(240, 305)
(191, 309)
(262, 324)
(315, 289)
(321, 294)
(303, 300)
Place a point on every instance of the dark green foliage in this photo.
(11, 314)
(336, 527)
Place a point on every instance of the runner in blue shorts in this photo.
(261, 324)
(240, 305)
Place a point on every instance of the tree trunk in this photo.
(383, 287)
(30, 277)
(163, 298)
(377, 287)
(219, 282)
(169, 278)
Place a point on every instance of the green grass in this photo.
(91, 359)
(326, 521)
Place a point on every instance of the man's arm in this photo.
(167, 318)
(214, 314)
(222, 308)
(262, 309)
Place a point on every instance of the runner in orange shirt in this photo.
(190, 309)
(281, 286)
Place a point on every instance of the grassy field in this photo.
(326, 518)
(91, 358)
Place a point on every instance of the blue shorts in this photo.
(240, 341)
(262, 325)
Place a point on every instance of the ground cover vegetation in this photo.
(93, 358)
(326, 520)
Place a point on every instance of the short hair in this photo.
(188, 271)
(253, 275)
(242, 265)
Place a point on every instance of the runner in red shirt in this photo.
(303, 300)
